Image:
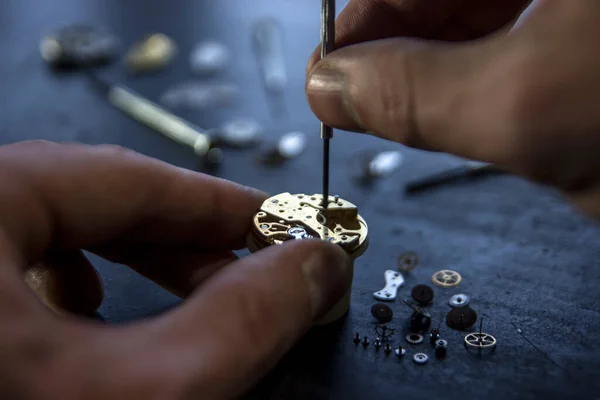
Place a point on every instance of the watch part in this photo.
(459, 300)
(240, 132)
(384, 332)
(194, 95)
(382, 312)
(340, 223)
(377, 343)
(420, 358)
(414, 338)
(209, 57)
(388, 348)
(446, 278)
(365, 341)
(268, 41)
(461, 318)
(356, 339)
(78, 45)
(441, 347)
(151, 53)
(422, 294)
(213, 159)
(420, 319)
(291, 145)
(384, 163)
(393, 281)
(434, 335)
(289, 216)
(480, 341)
(400, 351)
(407, 261)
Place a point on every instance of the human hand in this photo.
(177, 228)
(524, 99)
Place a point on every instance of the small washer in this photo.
(420, 358)
(459, 300)
(414, 338)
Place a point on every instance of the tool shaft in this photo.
(327, 46)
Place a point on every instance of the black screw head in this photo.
(422, 294)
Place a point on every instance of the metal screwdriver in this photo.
(327, 46)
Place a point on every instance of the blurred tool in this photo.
(152, 53)
(209, 57)
(268, 40)
(155, 117)
(327, 46)
(469, 170)
(200, 95)
(289, 146)
(78, 45)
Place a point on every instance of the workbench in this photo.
(528, 260)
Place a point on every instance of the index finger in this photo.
(77, 196)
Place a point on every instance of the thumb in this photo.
(248, 314)
(432, 95)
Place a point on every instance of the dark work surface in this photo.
(526, 256)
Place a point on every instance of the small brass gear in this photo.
(446, 278)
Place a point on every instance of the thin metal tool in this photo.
(327, 46)
(466, 171)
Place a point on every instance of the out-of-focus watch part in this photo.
(209, 57)
(152, 53)
(407, 261)
(195, 95)
(78, 45)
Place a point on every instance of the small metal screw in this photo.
(356, 339)
(365, 342)
(388, 348)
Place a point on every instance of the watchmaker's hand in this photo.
(525, 100)
(177, 228)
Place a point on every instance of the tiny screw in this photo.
(388, 348)
(365, 342)
(356, 339)
(377, 344)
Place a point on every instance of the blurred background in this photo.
(518, 246)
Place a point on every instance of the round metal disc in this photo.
(461, 318)
(422, 294)
(414, 338)
(382, 312)
(459, 300)
(421, 358)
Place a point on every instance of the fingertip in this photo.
(328, 271)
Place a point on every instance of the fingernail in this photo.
(326, 90)
(328, 272)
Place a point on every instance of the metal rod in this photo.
(327, 46)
